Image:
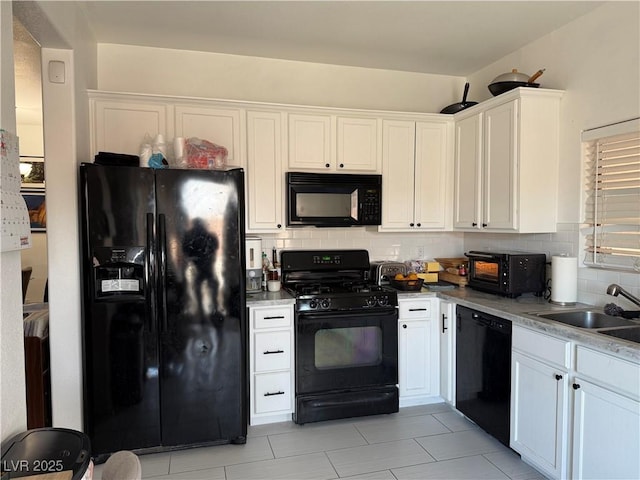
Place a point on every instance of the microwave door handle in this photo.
(483, 255)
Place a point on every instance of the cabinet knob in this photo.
(279, 225)
(418, 225)
(411, 224)
(558, 377)
(474, 224)
(342, 165)
(484, 225)
(404, 325)
(576, 386)
(327, 165)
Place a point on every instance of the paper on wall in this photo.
(16, 227)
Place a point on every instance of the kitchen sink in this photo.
(631, 333)
(588, 319)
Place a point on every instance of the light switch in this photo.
(56, 71)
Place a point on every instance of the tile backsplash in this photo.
(592, 282)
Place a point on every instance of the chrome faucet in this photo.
(616, 290)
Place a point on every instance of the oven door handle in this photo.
(482, 255)
(350, 314)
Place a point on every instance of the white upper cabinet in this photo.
(119, 125)
(264, 172)
(216, 125)
(415, 175)
(357, 143)
(333, 143)
(506, 163)
(310, 142)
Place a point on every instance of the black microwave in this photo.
(333, 200)
(507, 273)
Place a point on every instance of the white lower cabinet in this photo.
(606, 417)
(418, 355)
(271, 367)
(575, 411)
(539, 413)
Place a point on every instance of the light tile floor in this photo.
(425, 442)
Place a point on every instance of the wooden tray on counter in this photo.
(452, 278)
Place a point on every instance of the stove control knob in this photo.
(371, 301)
(325, 303)
(383, 300)
(313, 304)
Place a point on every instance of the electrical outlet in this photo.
(420, 253)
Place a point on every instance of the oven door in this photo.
(343, 351)
(487, 273)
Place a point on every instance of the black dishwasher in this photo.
(483, 370)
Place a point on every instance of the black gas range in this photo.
(346, 335)
(333, 280)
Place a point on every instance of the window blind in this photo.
(612, 209)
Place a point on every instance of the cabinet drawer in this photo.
(549, 349)
(414, 309)
(272, 392)
(271, 317)
(609, 370)
(272, 351)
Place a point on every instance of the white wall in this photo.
(197, 74)
(61, 29)
(596, 60)
(13, 412)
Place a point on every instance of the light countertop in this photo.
(519, 310)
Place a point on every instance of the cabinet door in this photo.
(264, 172)
(500, 167)
(431, 161)
(272, 393)
(217, 125)
(447, 369)
(121, 126)
(398, 175)
(539, 413)
(413, 357)
(272, 351)
(468, 155)
(606, 436)
(357, 141)
(310, 142)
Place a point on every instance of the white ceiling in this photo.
(440, 37)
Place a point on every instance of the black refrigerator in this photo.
(164, 321)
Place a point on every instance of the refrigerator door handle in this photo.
(150, 274)
(162, 283)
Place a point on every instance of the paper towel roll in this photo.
(564, 280)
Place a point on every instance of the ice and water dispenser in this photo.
(118, 271)
(254, 264)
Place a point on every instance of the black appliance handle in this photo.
(484, 322)
(444, 320)
(162, 282)
(351, 314)
(477, 254)
(149, 273)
